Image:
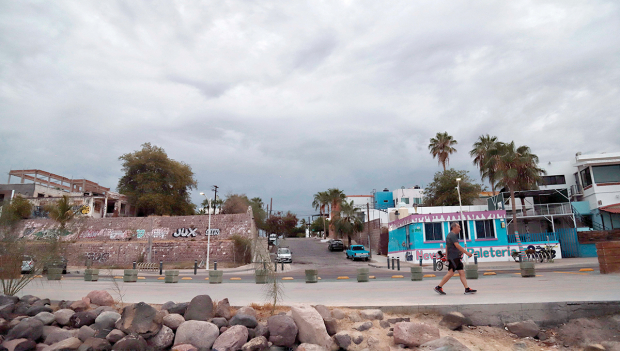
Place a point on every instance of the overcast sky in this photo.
(282, 99)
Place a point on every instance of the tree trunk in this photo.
(523, 206)
(514, 212)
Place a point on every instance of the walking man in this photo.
(454, 252)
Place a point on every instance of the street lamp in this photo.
(208, 231)
(458, 190)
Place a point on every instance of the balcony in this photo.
(542, 210)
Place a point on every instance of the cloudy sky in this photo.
(282, 99)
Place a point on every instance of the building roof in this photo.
(615, 208)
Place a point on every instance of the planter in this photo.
(416, 273)
(215, 277)
(172, 276)
(91, 275)
(130, 275)
(527, 269)
(312, 275)
(362, 275)
(261, 276)
(471, 271)
(54, 273)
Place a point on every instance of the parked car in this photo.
(27, 264)
(273, 239)
(284, 255)
(59, 262)
(335, 245)
(357, 252)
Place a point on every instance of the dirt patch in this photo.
(584, 331)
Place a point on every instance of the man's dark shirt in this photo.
(453, 252)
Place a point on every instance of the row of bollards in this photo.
(393, 265)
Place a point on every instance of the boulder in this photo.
(48, 329)
(311, 326)
(354, 317)
(223, 309)
(338, 314)
(6, 299)
(342, 339)
(248, 311)
(198, 333)
(594, 347)
(398, 320)
(323, 311)
(19, 344)
(384, 324)
(414, 334)
(311, 347)
(63, 316)
(15, 321)
(372, 314)
(179, 308)
(184, 347)
(80, 306)
(232, 339)
(67, 344)
(80, 319)
(114, 336)
(173, 320)
(131, 343)
(140, 318)
(101, 298)
(162, 340)
(245, 320)
(46, 318)
(258, 343)
(6, 310)
(331, 325)
(454, 321)
(34, 310)
(42, 302)
(282, 330)
(95, 344)
(362, 326)
(85, 332)
(30, 328)
(445, 343)
(4, 326)
(523, 329)
(219, 321)
(107, 320)
(102, 309)
(357, 338)
(199, 309)
(261, 330)
(29, 299)
(167, 305)
(57, 336)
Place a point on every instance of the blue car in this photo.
(357, 252)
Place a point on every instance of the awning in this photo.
(611, 208)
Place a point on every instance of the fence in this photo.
(567, 238)
(143, 266)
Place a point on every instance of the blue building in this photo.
(384, 200)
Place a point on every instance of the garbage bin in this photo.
(215, 277)
(312, 275)
(528, 269)
(91, 275)
(261, 276)
(172, 276)
(362, 275)
(471, 271)
(416, 273)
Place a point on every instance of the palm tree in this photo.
(320, 202)
(515, 168)
(480, 155)
(336, 197)
(441, 147)
(347, 221)
(62, 211)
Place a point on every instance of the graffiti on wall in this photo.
(185, 232)
(99, 257)
(140, 233)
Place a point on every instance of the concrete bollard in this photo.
(130, 275)
(528, 269)
(91, 275)
(416, 273)
(261, 276)
(471, 271)
(215, 277)
(362, 275)
(54, 273)
(312, 275)
(172, 276)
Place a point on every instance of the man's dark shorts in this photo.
(455, 265)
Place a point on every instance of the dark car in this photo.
(335, 245)
(59, 262)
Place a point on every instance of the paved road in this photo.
(310, 253)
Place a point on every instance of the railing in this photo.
(544, 210)
(533, 237)
(144, 266)
(586, 220)
(576, 190)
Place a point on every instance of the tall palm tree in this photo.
(320, 202)
(336, 197)
(441, 147)
(347, 222)
(62, 211)
(480, 153)
(515, 168)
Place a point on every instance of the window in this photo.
(432, 231)
(466, 230)
(553, 180)
(417, 200)
(485, 229)
(586, 177)
(606, 174)
(405, 200)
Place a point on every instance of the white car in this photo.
(284, 255)
(27, 264)
(272, 239)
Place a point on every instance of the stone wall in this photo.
(598, 236)
(608, 256)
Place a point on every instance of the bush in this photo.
(242, 251)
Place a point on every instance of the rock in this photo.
(80, 319)
(519, 346)
(101, 298)
(454, 321)
(6, 299)
(445, 343)
(398, 320)
(63, 304)
(179, 308)
(354, 317)
(131, 343)
(140, 318)
(4, 326)
(67, 344)
(107, 320)
(34, 310)
(611, 345)
(323, 311)
(261, 330)
(331, 325)
(338, 314)
(99, 310)
(311, 347)
(342, 339)
(247, 311)
(184, 347)
(63, 316)
(21, 343)
(223, 329)
(282, 330)
(30, 328)
(167, 305)
(200, 309)
(173, 320)
(414, 334)
(46, 318)
(85, 333)
(243, 319)
(372, 314)
(594, 347)
(219, 321)
(162, 340)
(258, 343)
(523, 329)
(223, 309)
(15, 321)
(198, 333)
(363, 326)
(390, 333)
(114, 336)
(80, 306)
(384, 324)
(232, 339)
(57, 336)
(29, 299)
(6, 310)
(42, 302)
(542, 336)
(357, 338)
(95, 344)
(48, 329)
(21, 308)
(311, 326)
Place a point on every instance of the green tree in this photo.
(318, 225)
(442, 190)
(336, 198)
(62, 211)
(347, 222)
(17, 209)
(258, 209)
(289, 223)
(480, 152)
(441, 148)
(321, 203)
(157, 184)
(235, 203)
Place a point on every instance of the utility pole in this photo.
(368, 229)
(271, 207)
(214, 198)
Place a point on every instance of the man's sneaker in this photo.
(439, 290)
(470, 291)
